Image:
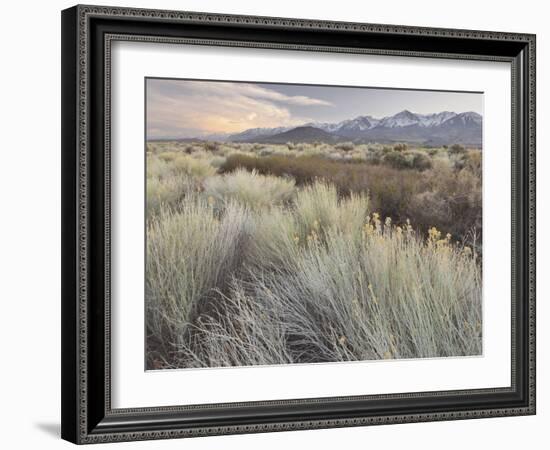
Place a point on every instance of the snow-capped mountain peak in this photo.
(360, 123)
(470, 116)
(465, 119)
(437, 128)
(404, 118)
(430, 120)
(329, 127)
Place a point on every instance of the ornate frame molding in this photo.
(76, 416)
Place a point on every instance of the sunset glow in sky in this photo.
(190, 108)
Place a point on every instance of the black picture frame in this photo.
(87, 416)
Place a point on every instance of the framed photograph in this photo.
(280, 224)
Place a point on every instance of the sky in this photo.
(193, 108)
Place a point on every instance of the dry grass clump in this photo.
(371, 298)
(173, 177)
(157, 167)
(168, 191)
(166, 185)
(192, 166)
(169, 164)
(248, 188)
(383, 293)
(318, 208)
(190, 254)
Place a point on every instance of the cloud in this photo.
(253, 90)
(179, 108)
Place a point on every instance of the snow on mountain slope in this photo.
(466, 118)
(441, 127)
(431, 120)
(404, 118)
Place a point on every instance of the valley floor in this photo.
(288, 254)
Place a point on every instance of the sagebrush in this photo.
(304, 253)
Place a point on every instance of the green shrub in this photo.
(399, 193)
(456, 149)
(211, 146)
(400, 147)
(421, 162)
(397, 160)
(345, 146)
(453, 203)
(473, 162)
(374, 158)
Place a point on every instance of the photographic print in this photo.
(296, 224)
(252, 198)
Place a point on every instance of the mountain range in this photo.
(443, 128)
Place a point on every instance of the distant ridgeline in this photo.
(444, 128)
(430, 130)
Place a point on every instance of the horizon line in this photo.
(308, 124)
